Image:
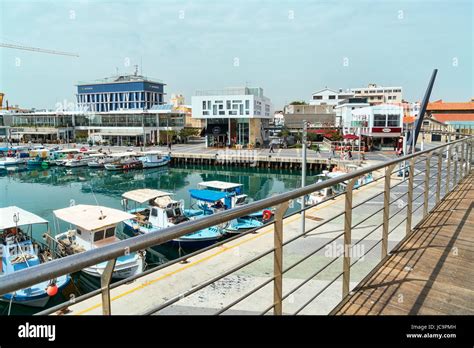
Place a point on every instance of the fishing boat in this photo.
(18, 252)
(38, 156)
(100, 159)
(124, 161)
(92, 227)
(155, 210)
(234, 198)
(215, 196)
(328, 192)
(153, 159)
(81, 159)
(12, 156)
(62, 156)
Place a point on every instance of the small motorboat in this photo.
(124, 161)
(153, 159)
(18, 252)
(94, 227)
(100, 160)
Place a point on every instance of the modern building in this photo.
(233, 116)
(327, 96)
(380, 125)
(178, 101)
(119, 93)
(318, 116)
(121, 127)
(376, 94)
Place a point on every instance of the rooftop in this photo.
(454, 117)
(440, 105)
(121, 79)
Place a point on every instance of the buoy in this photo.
(267, 214)
(52, 290)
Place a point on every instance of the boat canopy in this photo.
(151, 152)
(68, 151)
(91, 217)
(207, 195)
(220, 185)
(144, 195)
(24, 218)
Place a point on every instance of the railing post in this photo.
(427, 184)
(278, 259)
(346, 278)
(438, 178)
(105, 279)
(462, 170)
(386, 209)
(455, 159)
(448, 169)
(410, 196)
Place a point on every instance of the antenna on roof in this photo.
(136, 70)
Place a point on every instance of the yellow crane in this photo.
(35, 49)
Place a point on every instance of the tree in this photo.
(185, 133)
(298, 102)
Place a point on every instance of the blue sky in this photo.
(289, 48)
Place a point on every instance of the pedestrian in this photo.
(271, 148)
(169, 145)
(333, 151)
(349, 153)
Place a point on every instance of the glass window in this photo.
(332, 97)
(99, 235)
(214, 109)
(78, 231)
(247, 104)
(379, 120)
(110, 232)
(228, 105)
(154, 212)
(203, 104)
(393, 121)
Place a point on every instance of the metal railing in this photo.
(458, 165)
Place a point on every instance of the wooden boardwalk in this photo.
(432, 272)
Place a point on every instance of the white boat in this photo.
(18, 252)
(81, 159)
(93, 227)
(12, 156)
(100, 160)
(124, 161)
(153, 159)
(65, 155)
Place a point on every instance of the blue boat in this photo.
(155, 210)
(215, 196)
(18, 252)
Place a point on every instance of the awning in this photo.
(220, 185)
(207, 195)
(351, 136)
(144, 195)
(24, 217)
(92, 217)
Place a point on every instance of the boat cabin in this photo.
(234, 196)
(91, 226)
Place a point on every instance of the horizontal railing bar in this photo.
(56, 268)
(399, 210)
(401, 222)
(368, 234)
(367, 218)
(207, 283)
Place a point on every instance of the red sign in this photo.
(386, 130)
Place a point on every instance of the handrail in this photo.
(58, 267)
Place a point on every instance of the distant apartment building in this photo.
(327, 96)
(119, 93)
(318, 116)
(233, 116)
(376, 94)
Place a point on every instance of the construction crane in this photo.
(35, 49)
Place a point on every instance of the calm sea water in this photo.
(41, 191)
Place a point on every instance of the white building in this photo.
(328, 96)
(233, 115)
(380, 125)
(377, 94)
(344, 110)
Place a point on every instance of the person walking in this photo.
(349, 153)
(169, 145)
(271, 148)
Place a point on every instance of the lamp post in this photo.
(303, 173)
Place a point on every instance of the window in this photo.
(317, 97)
(110, 232)
(204, 104)
(78, 231)
(393, 121)
(379, 120)
(214, 109)
(332, 97)
(222, 113)
(154, 212)
(228, 105)
(98, 236)
(247, 104)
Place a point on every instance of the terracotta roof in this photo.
(450, 106)
(453, 117)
